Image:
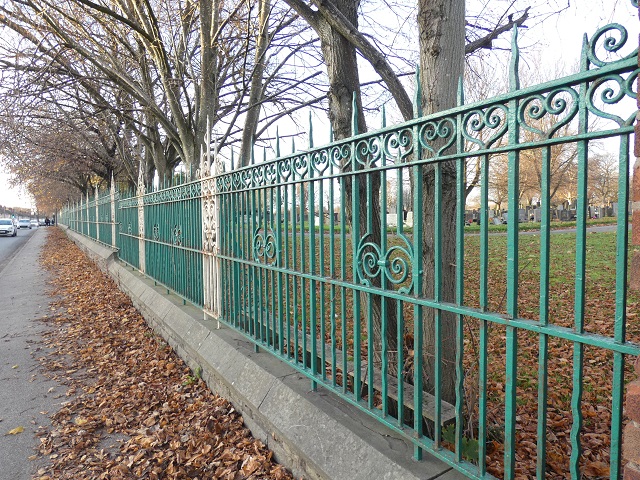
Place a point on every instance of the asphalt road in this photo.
(10, 245)
(26, 396)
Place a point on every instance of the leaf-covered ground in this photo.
(134, 409)
(597, 366)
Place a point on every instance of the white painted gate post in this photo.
(113, 212)
(140, 193)
(212, 286)
(88, 234)
(97, 215)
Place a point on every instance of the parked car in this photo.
(34, 223)
(24, 223)
(7, 227)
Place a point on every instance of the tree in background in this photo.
(164, 71)
(603, 179)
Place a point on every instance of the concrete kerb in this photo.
(315, 434)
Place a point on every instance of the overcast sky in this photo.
(12, 197)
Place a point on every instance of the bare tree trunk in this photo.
(255, 94)
(441, 30)
(341, 62)
(342, 69)
(209, 24)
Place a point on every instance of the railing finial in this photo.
(584, 53)
(140, 186)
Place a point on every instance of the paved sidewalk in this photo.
(24, 392)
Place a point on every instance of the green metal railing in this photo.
(105, 231)
(127, 240)
(173, 239)
(311, 271)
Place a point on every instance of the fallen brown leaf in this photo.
(133, 408)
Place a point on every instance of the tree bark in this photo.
(342, 69)
(441, 30)
(209, 24)
(341, 62)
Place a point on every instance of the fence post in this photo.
(212, 287)
(86, 205)
(631, 435)
(113, 212)
(140, 195)
(97, 214)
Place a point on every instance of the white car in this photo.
(34, 223)
(7, 227)
(24, 223)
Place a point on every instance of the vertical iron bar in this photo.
(273, 286)
(484, 327)
(294, 249)
(313, 294)
(417, 275)
(437, 318)
(262, 272)
(512, 267)
(253, 293)
(370, 297)
(460, 205)
(620, 322)
(384, 354)
(580, 275)
(332, 273)
(343, 291)
(281, 307)
(323, 308)
(355, 239)
(399, 303)
(303, 267)
(287, 277)
(543, 352)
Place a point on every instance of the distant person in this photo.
(47, 222)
